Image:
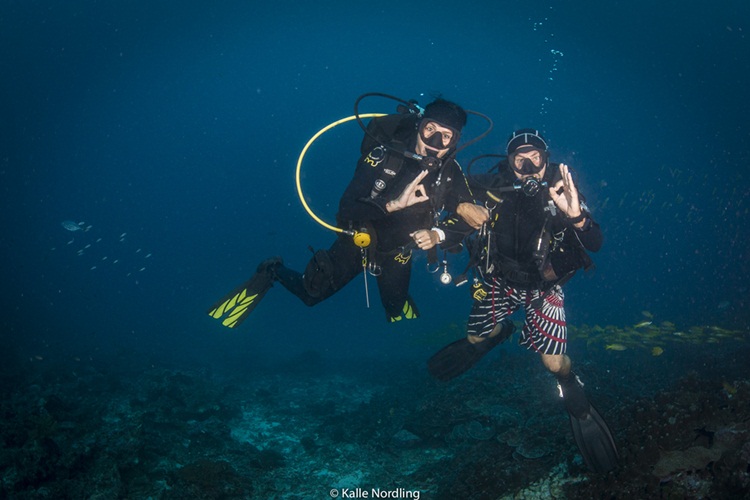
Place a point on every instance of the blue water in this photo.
(173, 130)
(180, 124)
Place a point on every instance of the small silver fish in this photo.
(72, 226)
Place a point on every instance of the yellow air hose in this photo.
(360, 239)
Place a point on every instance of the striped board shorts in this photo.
(544, 330)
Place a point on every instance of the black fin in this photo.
(595, 441)
(459, 356)
(240, 302)
(590, 431)
(408, 311)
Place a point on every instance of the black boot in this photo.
(292, 280)
(571, 390)
(269, 266)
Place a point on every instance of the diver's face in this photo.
(536, 159)
(431, 137)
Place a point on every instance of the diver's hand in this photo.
(425, 238)
(474, 215)
(565, 194)
(413, 193)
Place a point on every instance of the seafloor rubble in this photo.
(127, 429)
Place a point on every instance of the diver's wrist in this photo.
(584, 224)
(578, 218)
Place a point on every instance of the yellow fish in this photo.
(642, 324)
(731, 390)
(615, 347)
(657, 351)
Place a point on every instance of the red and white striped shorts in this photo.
(544, 330)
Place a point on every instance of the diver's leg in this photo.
(327, 272)
(293, 281)
(545, 330)
(493, 302)
(548, 335)
(558, 364)
(590, 431)
(393, 285)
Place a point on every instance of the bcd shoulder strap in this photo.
(385, 130)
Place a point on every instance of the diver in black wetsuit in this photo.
(396, 197)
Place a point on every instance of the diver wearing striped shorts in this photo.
(536, 235)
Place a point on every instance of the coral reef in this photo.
(121, 431)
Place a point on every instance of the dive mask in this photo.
(436, 139)
(527, 166)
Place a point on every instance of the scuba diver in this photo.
(406, 176)
(536, 236)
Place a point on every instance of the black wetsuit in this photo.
(517, 222)
(389, 231)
